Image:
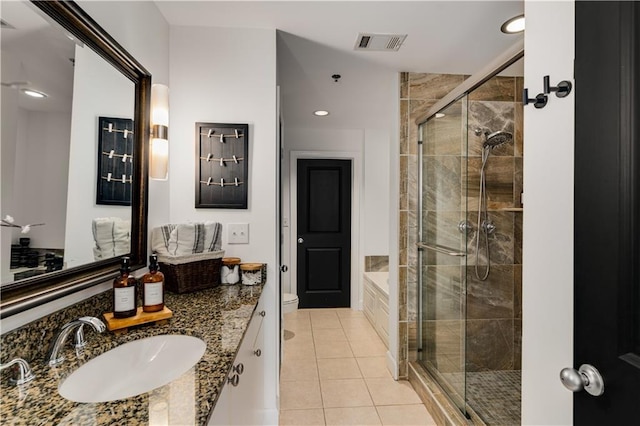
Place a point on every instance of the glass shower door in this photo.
(442, 249)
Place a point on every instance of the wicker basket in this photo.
(184, 274)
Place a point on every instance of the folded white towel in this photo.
(186, 238)
(112, 237)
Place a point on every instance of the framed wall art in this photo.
(222, 165)
(115, 161)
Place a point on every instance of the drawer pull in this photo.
(233, 380)
(257, 352)
(239, 369)
(262, 313)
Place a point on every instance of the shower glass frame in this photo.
(441, 258)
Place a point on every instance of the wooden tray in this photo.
(121, 325)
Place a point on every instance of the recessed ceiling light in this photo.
(321, 113)
(513, 25)
(440, 115)
(34, 93)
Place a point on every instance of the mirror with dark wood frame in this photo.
(19, 295)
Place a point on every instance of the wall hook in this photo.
(562, 89)
(540, 101)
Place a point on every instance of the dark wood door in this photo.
(324, 233)
(607, 236)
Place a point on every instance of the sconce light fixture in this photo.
(159, 158)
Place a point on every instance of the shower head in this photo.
(497, 138)
(493, 139)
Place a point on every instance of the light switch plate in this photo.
(238, 233)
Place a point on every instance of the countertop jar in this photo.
(230, 270)
(251, 273)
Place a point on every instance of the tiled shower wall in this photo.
(494, 306)
(418, 92)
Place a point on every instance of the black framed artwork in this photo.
(115, 161)
(222, 165)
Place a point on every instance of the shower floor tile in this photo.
(493, 395)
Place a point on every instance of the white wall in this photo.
(42, 165)
(112, 97)
(547, 341)
(142, 31)
(228, 75)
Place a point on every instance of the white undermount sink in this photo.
(133, 368)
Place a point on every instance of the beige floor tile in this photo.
(314, 417)
(318, 322)
(360, 416)
(413, 415)
(360, 333)
(373, 366)
(355, 322)
(323, 313)
(328, 335)
(349, 313)
(300, 395)
(367, 348)
(297, 314)
(345, 393)
(299, 349)
(298, 324)
(338, 368)
(334, 350)
(298, 335)
(299, 369)
(386, 391)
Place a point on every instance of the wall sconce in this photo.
(159, 152)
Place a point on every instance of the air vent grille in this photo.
(379, 42)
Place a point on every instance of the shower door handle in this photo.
(441, 249)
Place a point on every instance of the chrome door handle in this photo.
(300, 240)
(587, 377)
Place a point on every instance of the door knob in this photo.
(587, 377)
(300, 240)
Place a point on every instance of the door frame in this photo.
(356, 200)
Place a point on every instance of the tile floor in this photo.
(334, 373)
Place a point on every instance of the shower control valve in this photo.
(465, 226)
(488, 227)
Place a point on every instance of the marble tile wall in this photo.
(452, 178)
(376, 263)
(418, 92)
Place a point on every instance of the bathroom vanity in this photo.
(228, 319)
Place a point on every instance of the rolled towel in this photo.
(186, 238)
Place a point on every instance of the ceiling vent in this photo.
(5, 25)
(379, 42)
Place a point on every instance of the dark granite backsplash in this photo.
(32, 340)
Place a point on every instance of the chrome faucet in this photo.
(54, 357)
(26, 375)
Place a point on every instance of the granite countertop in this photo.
(379, 279)
(218, 316)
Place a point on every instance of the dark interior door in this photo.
(324, 233)
(607, 170)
